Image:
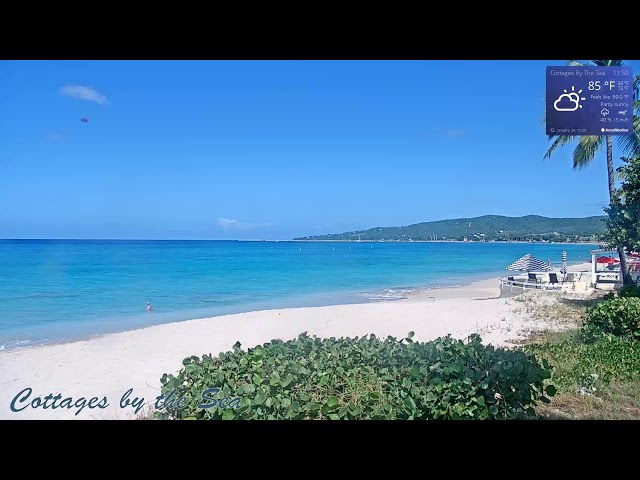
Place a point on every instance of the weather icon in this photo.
(568, 101)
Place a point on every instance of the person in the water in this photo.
(148, 306)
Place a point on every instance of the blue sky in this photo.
(276, 149)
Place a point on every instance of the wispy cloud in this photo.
(455, 133)
(54, 136)
(83, 93)
(233, 224)
(438, 131)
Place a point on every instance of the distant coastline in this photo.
(487, 228)
(297, 240)
(432, 241)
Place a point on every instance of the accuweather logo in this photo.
(614, 130)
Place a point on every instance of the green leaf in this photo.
(228, 414)
(274, 382)
(410, 403)
(332, 402)
(248, 388)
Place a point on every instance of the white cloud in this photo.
(83, 93)
(54, 136)
(225, 222)
(440, 131)
(232, 223)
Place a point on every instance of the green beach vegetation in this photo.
(364, 378)
(623, 215)
(592, 371)
(596, 367)
(530, 228)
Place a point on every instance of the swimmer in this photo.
(148, 306)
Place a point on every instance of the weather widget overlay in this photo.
(589, 101)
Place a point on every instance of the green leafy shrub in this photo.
(626, 291)
(629, 291)
(616, 316)
(577, 364)
(363, 378)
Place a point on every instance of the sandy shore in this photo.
(112, 364)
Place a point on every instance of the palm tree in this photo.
(589, 145)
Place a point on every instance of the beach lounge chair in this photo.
(532, 278)
(569, 277)
(553, 280)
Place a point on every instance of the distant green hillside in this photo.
(485, 228)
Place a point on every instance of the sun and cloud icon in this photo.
(568, 101)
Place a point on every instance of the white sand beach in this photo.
(112, 364)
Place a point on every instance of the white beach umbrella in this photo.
(529, 263)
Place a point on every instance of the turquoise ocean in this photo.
(62, 290)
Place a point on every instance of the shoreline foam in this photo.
(315, 299)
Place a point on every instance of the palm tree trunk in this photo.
(612, 184)
(626, 280)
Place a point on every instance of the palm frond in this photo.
(636, 88)
(559, 142)
(607, 63)
(585, 151)
(595, 63)
(630, 144)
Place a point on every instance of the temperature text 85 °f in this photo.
(608, 84)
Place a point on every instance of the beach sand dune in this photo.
(112, 364)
